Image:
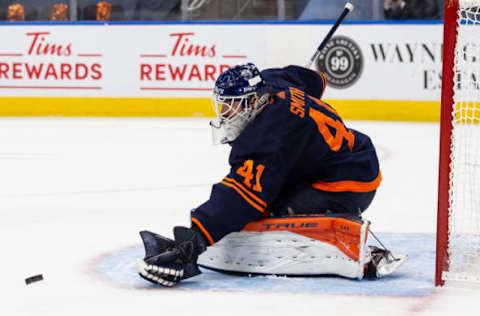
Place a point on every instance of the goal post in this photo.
(458, 218)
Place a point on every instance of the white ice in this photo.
(73, 191)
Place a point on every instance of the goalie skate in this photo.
(388, 267)
(295, 245)
(383, 263)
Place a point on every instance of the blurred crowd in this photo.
(413, 9)
(99, 10)
(117, 10)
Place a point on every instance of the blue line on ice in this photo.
(414, 278)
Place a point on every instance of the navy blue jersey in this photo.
(297, 138)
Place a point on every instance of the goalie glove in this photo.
(168, 261)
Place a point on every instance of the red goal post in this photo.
(458, 218)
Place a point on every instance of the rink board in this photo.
(382, 110)
(387, 71)
(414, 279)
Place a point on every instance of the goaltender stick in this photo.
(292, 160)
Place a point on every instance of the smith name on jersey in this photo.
(297, 138)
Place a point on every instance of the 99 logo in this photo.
(341, 60)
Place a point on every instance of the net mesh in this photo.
(464, 195)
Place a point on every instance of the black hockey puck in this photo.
(34, 278)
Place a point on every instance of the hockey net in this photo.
(458, 221)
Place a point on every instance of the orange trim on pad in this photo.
(204, 231)
(348, 186)
(336, 231)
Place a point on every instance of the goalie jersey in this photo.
(297, 138)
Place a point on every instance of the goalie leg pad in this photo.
(298, 245)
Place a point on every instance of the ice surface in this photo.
(75, 192)
(414, 278)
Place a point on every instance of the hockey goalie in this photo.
(293, 200)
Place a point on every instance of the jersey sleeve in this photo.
(311, 82)
(261, 162)
(324, 84)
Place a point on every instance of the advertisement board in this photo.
(170, 69)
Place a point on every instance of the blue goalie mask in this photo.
(239, 95)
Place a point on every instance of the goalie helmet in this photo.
(239, 95)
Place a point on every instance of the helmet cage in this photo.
(233, 115)
(229, 107)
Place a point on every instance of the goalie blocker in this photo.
(300, 245)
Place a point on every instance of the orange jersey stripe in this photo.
(256, 198)
(245, 197)
(204, 231)
(324, 81)
(349, 186)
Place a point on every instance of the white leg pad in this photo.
(282, 253)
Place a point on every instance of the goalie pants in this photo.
(305, 199)
(216, 222)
